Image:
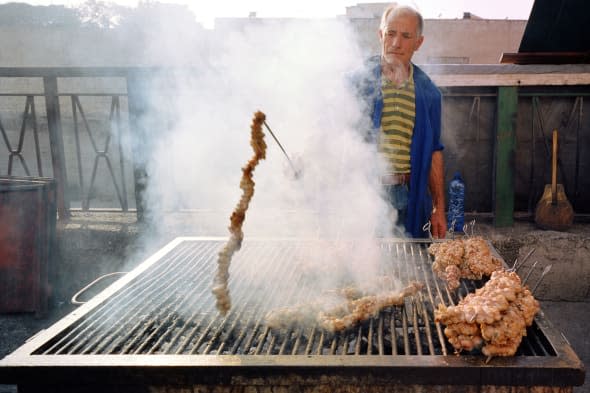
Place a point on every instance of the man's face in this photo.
(399, 40)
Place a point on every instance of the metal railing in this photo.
(86, 143)
(78, 146)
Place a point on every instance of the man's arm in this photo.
(437, 191)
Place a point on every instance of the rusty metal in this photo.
(157, 326)
(27, 242)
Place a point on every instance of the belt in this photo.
(392, 179)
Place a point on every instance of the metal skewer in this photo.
(516, 266)
(545, 271)
(529, 272)
(471, 225)
(426, 228)
(295, 171)
(451, 230)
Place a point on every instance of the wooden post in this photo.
(504, 156)
(57, 146)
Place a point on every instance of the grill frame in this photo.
(25, 369)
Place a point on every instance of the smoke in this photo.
(296, 73)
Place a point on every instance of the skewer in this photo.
(545, 271)
(426, 228)
(529, 273)
(296, 173)
(515, 267)
(466, 226)
(451, 230)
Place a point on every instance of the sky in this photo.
(206, 10)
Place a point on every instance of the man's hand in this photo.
(438, 223)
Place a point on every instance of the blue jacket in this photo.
(425, 137)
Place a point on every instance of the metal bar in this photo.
(33, 116)
(370, 337)
(115, 184)
(78, 151)
(320, 343)
(116, 114)
(63, 94)
(417, 257)
(380, 344)
(295, 171)
(555, 94)
(5, 137)
(311, 336)
(393, 330)
(57, 146)
(138, 107)
(359, 340)
(297, 342)
(86, 198)
(347, 340)
(406, 337)
(333, 345)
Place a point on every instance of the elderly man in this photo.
(404, 109)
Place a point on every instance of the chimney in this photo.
(469, 15)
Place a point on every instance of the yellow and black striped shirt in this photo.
(397, 123)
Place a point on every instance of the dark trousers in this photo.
(398, 197)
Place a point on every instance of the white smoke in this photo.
(296, 73)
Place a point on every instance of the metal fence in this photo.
(86, 139)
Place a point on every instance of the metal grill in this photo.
(168, 309)
(159, 322)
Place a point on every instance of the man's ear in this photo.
(380, 35)
(419, 42)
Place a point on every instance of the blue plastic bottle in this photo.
(456, 211)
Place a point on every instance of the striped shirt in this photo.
(397, 123)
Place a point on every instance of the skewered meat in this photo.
(340, 315)
(364, 308)
(494, 318)
(469, 258)
(220, 288)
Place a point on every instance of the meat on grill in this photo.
(220, 288)
(494, 318)
(333, 315)
(469, 258)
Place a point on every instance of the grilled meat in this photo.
(354, 307)
(469, 258)
(494, 318)
(220, 288)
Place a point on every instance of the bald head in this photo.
(394, 10)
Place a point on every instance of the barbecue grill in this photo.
(156, 329)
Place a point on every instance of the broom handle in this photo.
(554, 170)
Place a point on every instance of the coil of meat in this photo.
(493, 319)
(220, 288)
(469, 258)
(352, 307)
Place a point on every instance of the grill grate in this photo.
(168, 307)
